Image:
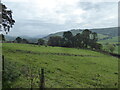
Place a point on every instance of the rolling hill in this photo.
(111, 32)
(64, 67)
(30, 39)
(102, 33)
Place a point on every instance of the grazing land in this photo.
(64, 67)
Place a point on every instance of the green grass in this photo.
(101, 36)
(61, 71)
(114, 40)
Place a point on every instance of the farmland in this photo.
(112, 41)
(64, 67)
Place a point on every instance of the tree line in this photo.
(86, 39)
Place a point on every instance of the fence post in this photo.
(3, 70)
(31, 81)
(42, 80)
(2, 63)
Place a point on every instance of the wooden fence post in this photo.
(3, 70)
(31, 81)
(2, 63)
(42, 80)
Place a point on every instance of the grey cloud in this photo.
(97, 15)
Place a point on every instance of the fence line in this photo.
(41, 76)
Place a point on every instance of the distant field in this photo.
(100, 36)
(114, 40)
(63, 67)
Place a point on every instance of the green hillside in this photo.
(64, 67)
(113, 40)
(105, 35)
(103, 32)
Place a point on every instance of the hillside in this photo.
(30, 39)
(64, 67)
(102, 33)
(112, 32)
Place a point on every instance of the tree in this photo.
(55, 41)
(2, 37)
(94, 37)
(86, 37)
(67, 37)
(77, 41)
(41, 41)
(18, 40)
(7, 21)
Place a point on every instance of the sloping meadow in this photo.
(63, 67)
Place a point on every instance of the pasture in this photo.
(64, 67)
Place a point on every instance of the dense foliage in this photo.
(86, 39)
(7, 20)
(20, 40)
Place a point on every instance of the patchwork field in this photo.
(64, 67)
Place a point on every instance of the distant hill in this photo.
(9, 38)
(112, 32)
(12, 38)
(102, 33)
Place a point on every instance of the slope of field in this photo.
(64, 67)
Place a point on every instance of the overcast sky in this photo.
(42, 17)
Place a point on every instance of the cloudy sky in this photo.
(42, 17)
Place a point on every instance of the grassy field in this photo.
(64, 68)
(114, 40)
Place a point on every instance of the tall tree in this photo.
(94, 36)
(93, 40)
(7, 20)
(67, 36)
(54, 41)
(78, 40)
(86, 37)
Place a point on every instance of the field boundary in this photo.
(61, 54)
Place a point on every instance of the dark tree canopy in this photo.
(54, 41)
(7, 21)
(86, 39)
(20, 40)
(67, 35)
